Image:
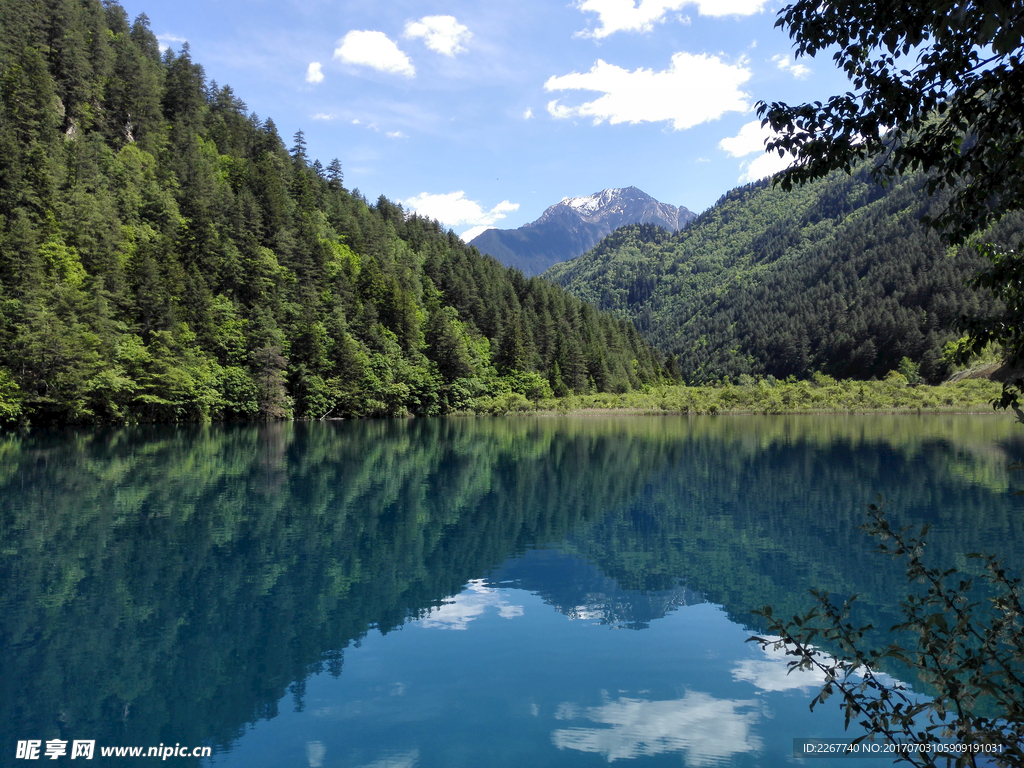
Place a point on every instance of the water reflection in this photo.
(456, 612)
(708, 731)
(181, 584)
(774, 675)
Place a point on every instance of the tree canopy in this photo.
(937, 86)
(836, 276)
(165, 257)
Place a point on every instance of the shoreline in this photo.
(820, 395)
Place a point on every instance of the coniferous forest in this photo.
(166, 256)
(837, 276)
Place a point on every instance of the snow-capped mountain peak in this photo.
(591, 204)
(574, 225)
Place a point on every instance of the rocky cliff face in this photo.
(575, 225)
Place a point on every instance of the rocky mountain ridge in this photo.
(574, 225)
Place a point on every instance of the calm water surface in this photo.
(478, 592)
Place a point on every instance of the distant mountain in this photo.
(837, 276)
(575, 225)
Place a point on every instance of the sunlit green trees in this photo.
(164, 257)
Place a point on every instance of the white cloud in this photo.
(324, 116)
(314, 74)
(454, 209)
(764, 166)
(469, 234)
(442, 34)
(707, 730)
(624, 16)
(374, 49)
(164, 41)
(528, 114)
(629, 16)
(458, 611)
(786, 64)
(749, 140)
(731, 7)
(693, 90)
(395, 135)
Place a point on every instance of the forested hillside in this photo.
(165, 257)
(837, 276)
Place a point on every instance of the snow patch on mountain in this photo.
(591, 204)
(574, 225)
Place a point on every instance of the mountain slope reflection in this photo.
(209, 584)
(579, 589)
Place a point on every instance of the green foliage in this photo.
(763, 396)
(10, 399)
(164, 257)
(910, 371)
(955, 113)
(835, 276)
(969, 650)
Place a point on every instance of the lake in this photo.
(551, 591)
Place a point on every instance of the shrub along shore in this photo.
(821, 394)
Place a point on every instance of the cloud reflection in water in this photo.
(459, 610)
(706, 729)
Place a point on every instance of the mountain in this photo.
(164, 256)
(575, 225)
(838, 276)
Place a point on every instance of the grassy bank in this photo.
(822, 394)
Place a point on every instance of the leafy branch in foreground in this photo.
(970, 650)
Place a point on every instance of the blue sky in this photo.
(485, 113)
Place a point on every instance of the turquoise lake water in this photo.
(552, 591)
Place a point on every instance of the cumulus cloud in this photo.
(528, 114)
(693, 90)
(314, 74)
(749, 140)
(455, 210)
(458, 611)
(374, 49)
(395, 135)
(764, 166)
(442, 34)
(708, 731)
(623, 16)
(628, 16)
(786, 64)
